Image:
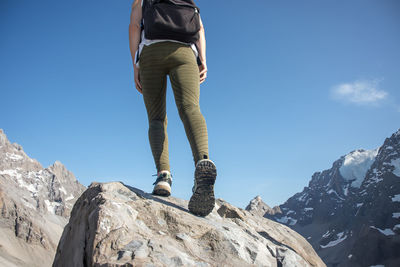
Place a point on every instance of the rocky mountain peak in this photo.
(62, 172)
(113, 224)
(258, 207)
(35, 203)
(391, 147)
(255, 202)
(13, 156)
(3, 138)
(386, 164)
(397, 133)
(351, 208)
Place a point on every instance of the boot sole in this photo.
(202, 201)
(162, 190)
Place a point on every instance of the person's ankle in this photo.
(158, 174)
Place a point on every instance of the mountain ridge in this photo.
(35, 205)
(338, 210)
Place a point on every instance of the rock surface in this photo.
(35, 204)
(350, 213)
(113, 224)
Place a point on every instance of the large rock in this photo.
(35, 204)
(112, 224)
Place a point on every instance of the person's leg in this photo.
(154, 83)
(184, 77)
(185, 81)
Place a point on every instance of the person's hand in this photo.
(137, 79)
(203, 71)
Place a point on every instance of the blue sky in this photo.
(291, 87)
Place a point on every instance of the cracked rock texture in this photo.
(113, 224)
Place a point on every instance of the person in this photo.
(185, 64)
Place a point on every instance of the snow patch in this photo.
(31, 188)
(70, 197)
(359, 204)
(290, 212)
(62, 189)
(339, 239)
(386, 231)
(374, 180)
(396, 227)
(396, 215)
(356, 164)
(13, 156)
(379, 265)
(326, 234)
(334, 192)
(396, 198)
(20, 181)
(12, 173)
(287, 220)
(331, 191)
(302, 196)
(308, 209)
(51, 206)
(394, 153)
(346, 190)
(396, 164)
(37, 176)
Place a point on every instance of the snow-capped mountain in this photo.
(351, 213)
(35, 205)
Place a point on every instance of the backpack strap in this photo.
(199, 63)
(141, 30)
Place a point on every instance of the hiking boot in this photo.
(163, 184)
(202, 201)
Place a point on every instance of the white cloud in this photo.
(359, 92)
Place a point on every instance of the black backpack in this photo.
(171, 19)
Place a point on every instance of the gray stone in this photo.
(100, 233)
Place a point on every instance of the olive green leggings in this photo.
(179, 62)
